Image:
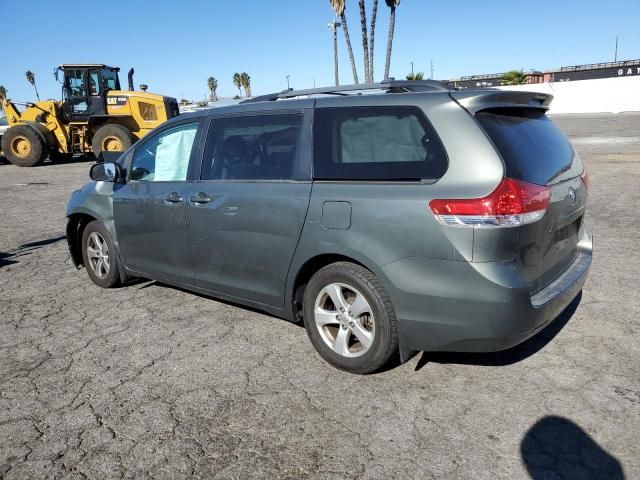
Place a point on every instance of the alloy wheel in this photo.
(98, 254)
(344, 319)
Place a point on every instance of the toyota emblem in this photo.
(572, 195)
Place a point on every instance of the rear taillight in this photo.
(585, 178)
(511, 204)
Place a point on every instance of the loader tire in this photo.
(23, 147)
(111, 138)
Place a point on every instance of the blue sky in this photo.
(176, 46)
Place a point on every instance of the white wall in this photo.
(611, 95)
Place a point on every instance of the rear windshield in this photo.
(534, 150)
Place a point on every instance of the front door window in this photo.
(165, 157)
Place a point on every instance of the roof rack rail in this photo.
(390, 85)
(269, 97)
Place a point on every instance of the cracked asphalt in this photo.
(148, 381)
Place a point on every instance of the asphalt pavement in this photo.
(148, 381)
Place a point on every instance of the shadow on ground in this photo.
(555, 447)
(57, 160)
(10, 257)
(510, 356)
(144, 283)
(492, 359)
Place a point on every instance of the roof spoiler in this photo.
(476, 100)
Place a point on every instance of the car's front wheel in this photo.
(349, 318)
(99, 255)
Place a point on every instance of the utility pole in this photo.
(615, 56)
(334, 28)
(288, 88)
(411, 68)
(431, 70)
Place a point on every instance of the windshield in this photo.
(3, 121)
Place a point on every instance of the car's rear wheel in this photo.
(349, 318)
(99, 256)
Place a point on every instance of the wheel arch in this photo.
(307, 270)
(76, 223)
(45, 134)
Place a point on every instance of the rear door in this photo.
(150, 209)
(247, 210)
(534, 150)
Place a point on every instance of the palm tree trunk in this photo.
(365, 40)
(392, 26)
(374, 15)
(335, 55)
(348, 40)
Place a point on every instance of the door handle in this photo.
(173, 197)
(200, 198)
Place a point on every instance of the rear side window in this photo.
(257, 147)
(376, 143)
(534, 150)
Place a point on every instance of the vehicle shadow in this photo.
(57, 161)
(10, 257)
(150, 283)
(555, 447)
(510, 356)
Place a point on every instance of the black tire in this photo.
(22, 146)
(384, 345)
(106, 279)
(116, 135)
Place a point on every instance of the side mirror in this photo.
(107, 172)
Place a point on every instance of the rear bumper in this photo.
(477, 307)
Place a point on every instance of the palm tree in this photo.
(339, 7)
(3, 97)
(245, 80)
(374, 16)
(31, 78)
(237, 81)
(514, 77)
(416, 76)
(392, 4)
(365, 40)
(212, 83)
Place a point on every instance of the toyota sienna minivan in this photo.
(388, 218)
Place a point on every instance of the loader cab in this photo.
(84, 89)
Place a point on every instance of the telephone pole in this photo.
(334, 29)
(431, 78)
(615, 56)
(411, 68)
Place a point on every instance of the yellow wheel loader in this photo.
(95, 115)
